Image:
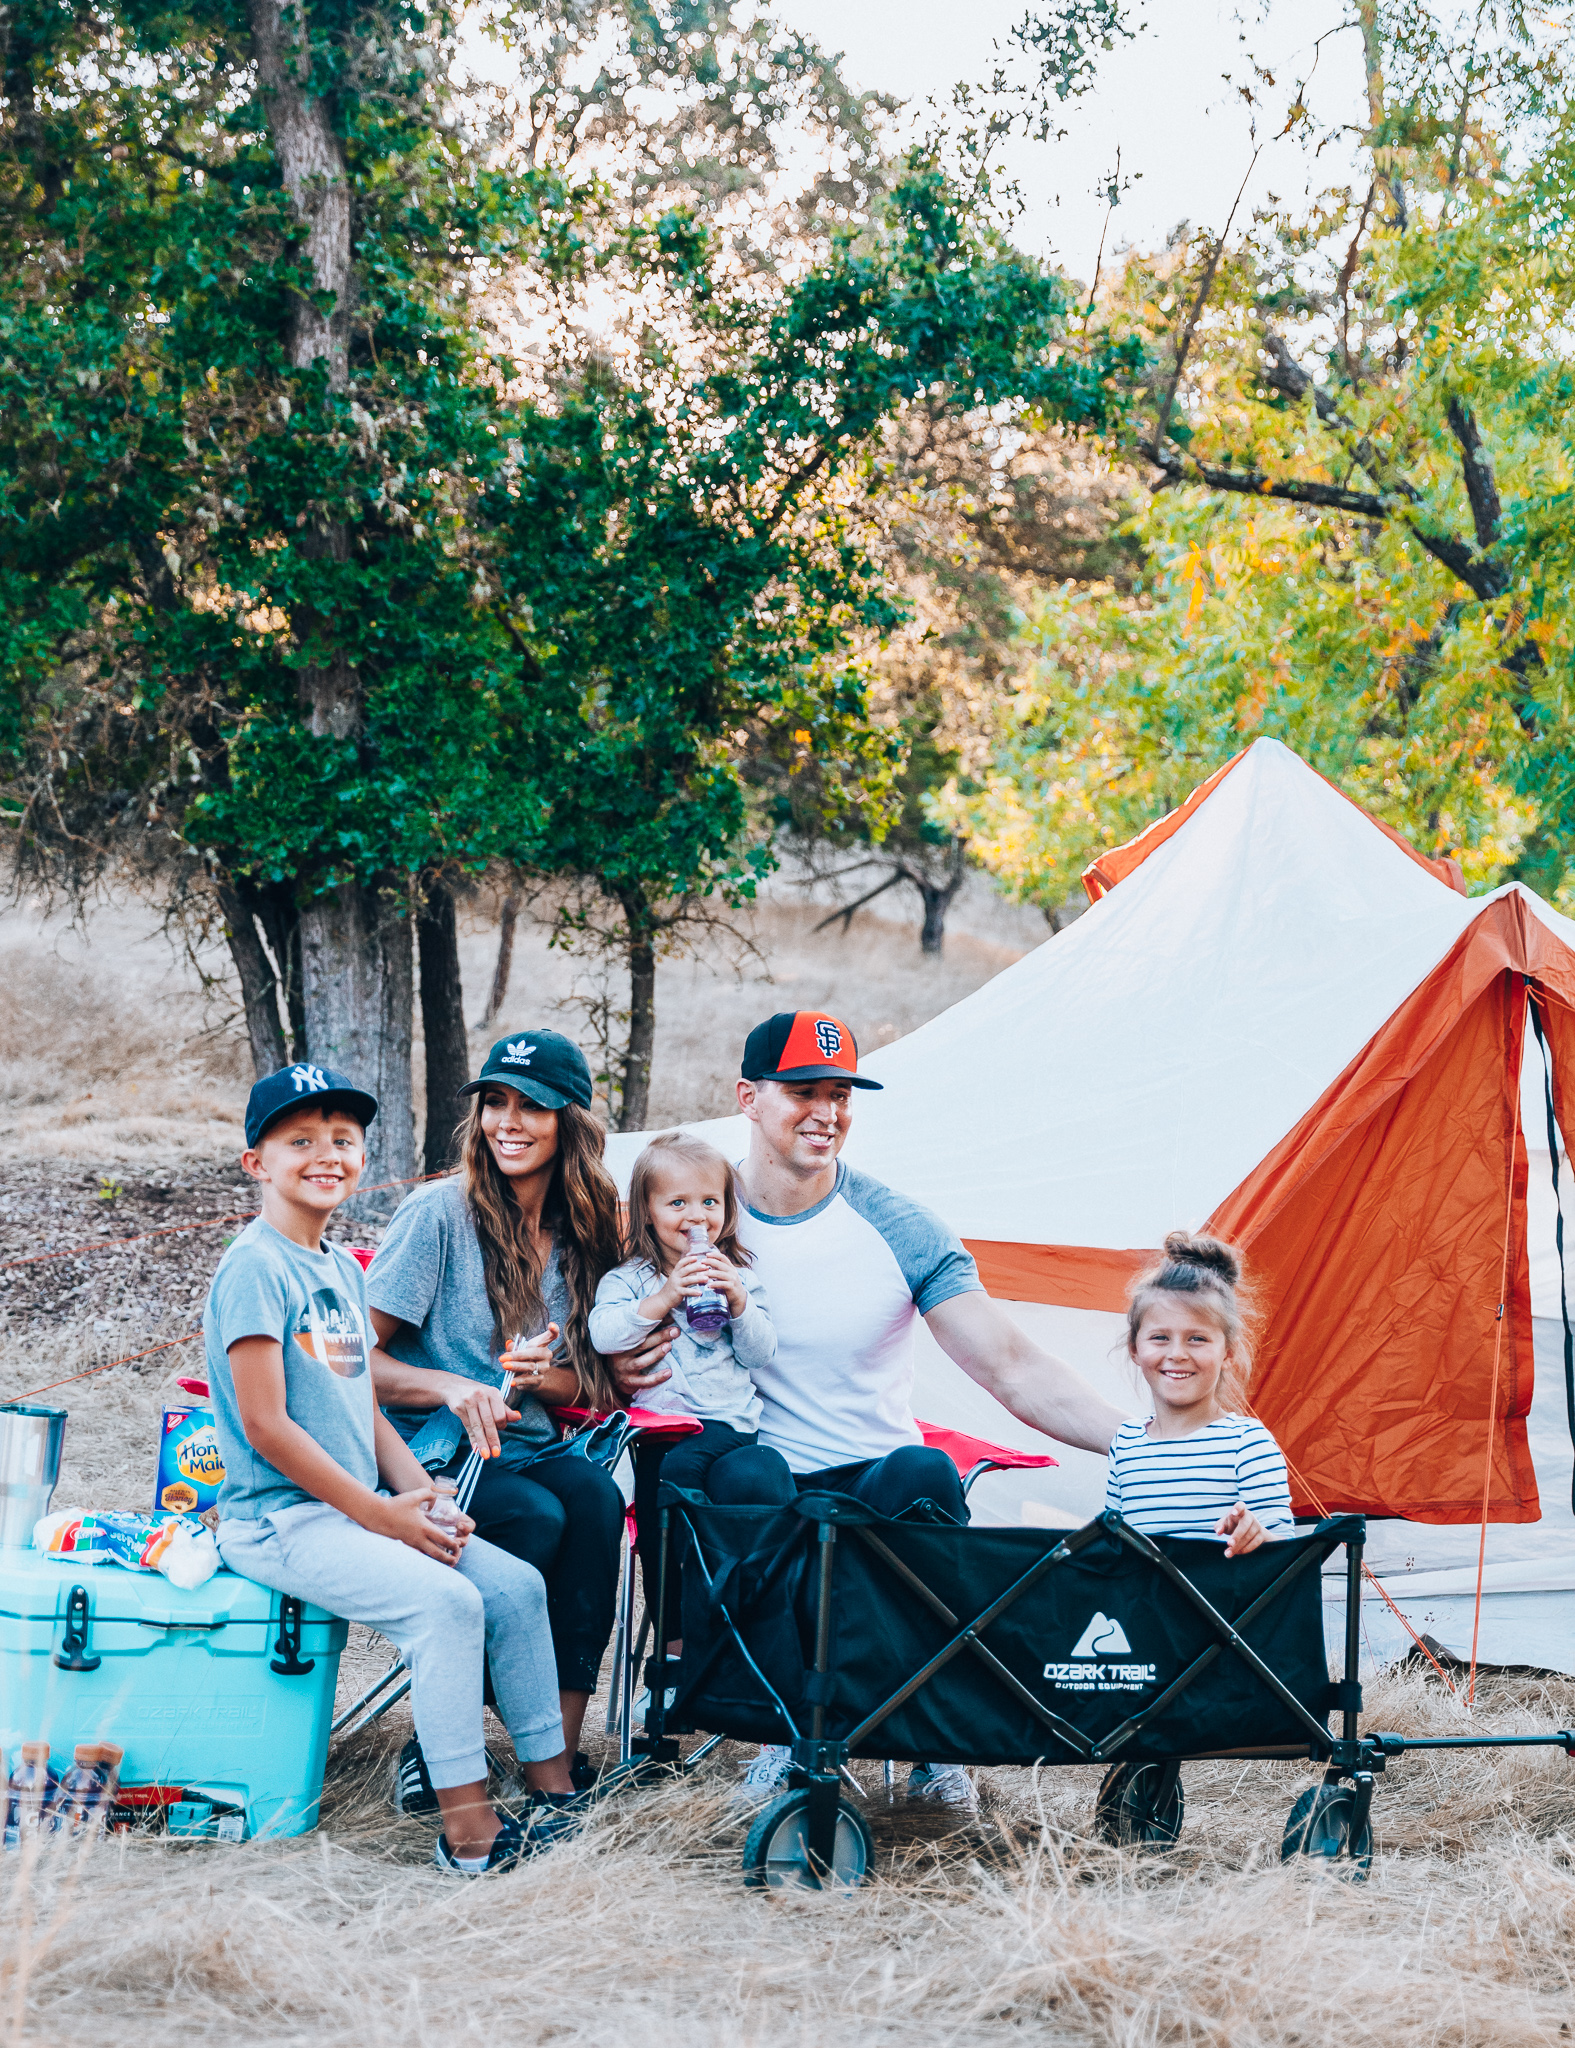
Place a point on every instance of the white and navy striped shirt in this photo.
(1181, 1485)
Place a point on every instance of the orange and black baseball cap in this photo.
(803, 1045)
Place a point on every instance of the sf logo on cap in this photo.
(518, 1054)
(310, 1078)
(828, 1036)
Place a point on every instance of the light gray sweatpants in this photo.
(440, 1616)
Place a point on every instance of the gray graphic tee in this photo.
(314, 1305)
(429, 1273)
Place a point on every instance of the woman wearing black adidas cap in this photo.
(494, 1269)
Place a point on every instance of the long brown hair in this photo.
(641, 1240)
(581, 1211)
(1210, 1272)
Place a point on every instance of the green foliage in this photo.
(560, 599)
(1361, 540)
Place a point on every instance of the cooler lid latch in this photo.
(288, 1647)
(72, 1654)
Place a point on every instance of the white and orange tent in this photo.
(1278, 1022)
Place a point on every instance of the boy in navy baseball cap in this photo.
(303, 1086)
(323, 1499)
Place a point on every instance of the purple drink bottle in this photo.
(706, 1311)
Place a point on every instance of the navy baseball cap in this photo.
(276, 1094)
(547, 1069)
(803, 1045)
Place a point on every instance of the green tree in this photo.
(1352, 495)
(316, 589)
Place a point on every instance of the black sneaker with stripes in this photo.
(413, 1791)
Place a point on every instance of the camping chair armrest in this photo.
(646, 1422)
(974, 1456)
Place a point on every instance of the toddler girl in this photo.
(679, 1183)
(1198, 1467)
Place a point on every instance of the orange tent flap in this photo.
(1380, 1287)
(1068, 1275)
(1102, 875)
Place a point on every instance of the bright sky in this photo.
(1162, 99)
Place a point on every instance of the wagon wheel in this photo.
(1140, 1804)
(1320, 1825)
(776, 1851)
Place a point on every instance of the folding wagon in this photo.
(824, 1627)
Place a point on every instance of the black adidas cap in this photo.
(803, 1045)
(277, 1094)
(547, 1069)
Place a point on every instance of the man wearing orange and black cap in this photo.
(849, 1265)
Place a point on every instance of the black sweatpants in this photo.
(900, 1480)
(564, 1516)
(700, 1463)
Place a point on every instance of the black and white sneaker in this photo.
(509, 1847)
(542, 1827)
(413, 1791)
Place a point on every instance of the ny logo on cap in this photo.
(518, 1054)
(828, 1036)
(312, 1079)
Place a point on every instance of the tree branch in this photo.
(1481, 488)
(1200, 300)
(1252, 483)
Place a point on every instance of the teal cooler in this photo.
(208, 1690)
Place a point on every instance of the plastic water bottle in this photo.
(83, 1804)
(706, 1311)
(445, 1509)
(30, 1794)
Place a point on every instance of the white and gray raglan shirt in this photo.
(846, 1281)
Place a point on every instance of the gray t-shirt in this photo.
(314, 1305)
(429, 1273)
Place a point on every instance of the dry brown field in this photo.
(120, 1090)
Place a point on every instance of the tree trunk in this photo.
(357, 976)
(355, 941)
(505, 965)
(1384, 163)
(442, 1022)
(259, 983)
(635, 1094)
(275, 909)
(315, 176)
(937, 899)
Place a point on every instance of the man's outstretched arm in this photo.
(1038, 1388)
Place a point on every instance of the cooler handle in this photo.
(289, 1660)
(71, 1656)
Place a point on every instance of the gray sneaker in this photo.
(765, 1778)
(944, 1785)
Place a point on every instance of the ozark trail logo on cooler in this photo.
(828, 1036)
(518, 1054)
(1092, 1666)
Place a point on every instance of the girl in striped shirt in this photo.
(1198, 1467)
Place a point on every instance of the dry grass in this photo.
(1019, 1926)
(640, 1929)
(105, 1052)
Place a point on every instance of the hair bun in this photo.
(1208, 1252)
